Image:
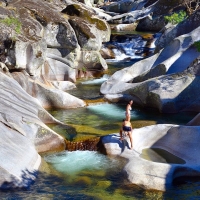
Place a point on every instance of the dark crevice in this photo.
(71, 10)
(15, 70)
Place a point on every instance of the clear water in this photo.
(96, 176)
(91, 176)
(104, 118)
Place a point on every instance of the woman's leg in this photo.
(120, 132)
(131, 139)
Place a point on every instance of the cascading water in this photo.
(129, 47)
(73, 163)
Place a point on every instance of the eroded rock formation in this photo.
(157, 170)
(161, 81)
(23, 134)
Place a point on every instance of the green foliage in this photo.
(84, 69)
(11, 21)
(197, 45)
(176, 17)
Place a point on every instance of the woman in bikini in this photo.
(127, 128)
(128, 110)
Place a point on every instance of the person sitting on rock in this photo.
(127, 129)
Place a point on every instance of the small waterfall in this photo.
(89, 144)
(129, 47)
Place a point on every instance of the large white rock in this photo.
(179, 141)
(46, 93)
(23, 134)
(19, 159)
(175, 57)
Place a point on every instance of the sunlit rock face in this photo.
(91, 32)
(42, 48)
(161, 81)
(169, 94)
(45, 92)
(132, 16)
(59, 41)
(23, 134)
(161, 154)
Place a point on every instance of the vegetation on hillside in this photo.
(13, 23)
(176, 18)
(192, 6)
(197, 45)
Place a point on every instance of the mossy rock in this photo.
(83, 180)
(142, 123)
(79, 11)
(82, 28)
(104, 184)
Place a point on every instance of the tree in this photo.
(192, 6)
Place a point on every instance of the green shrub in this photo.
(84, 69)
(197, 45)
(176, 17)
(11, 21)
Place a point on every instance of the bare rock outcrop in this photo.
(161, 81)
(58, 40)
(161, 154)
(45, 92)
(23, 134)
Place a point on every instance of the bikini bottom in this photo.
(126, 128)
